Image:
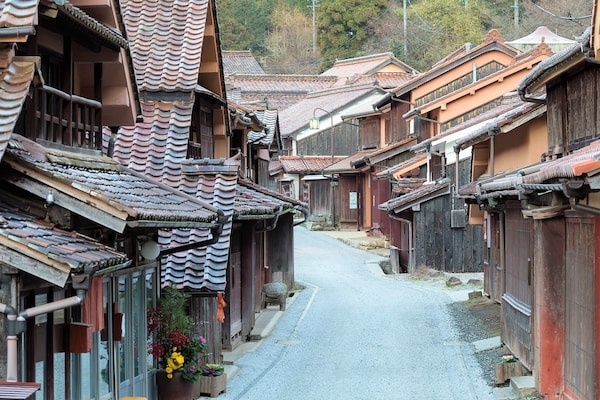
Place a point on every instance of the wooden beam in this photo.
(25, 260)
(78, 203)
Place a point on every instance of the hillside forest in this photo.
(307, 36)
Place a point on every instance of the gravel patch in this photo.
(476, 320)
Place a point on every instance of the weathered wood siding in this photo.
(317, 193)
(280, 252)
(439, 246)
(573, 120)
(580, 334)
(399, 126)
(494, 272)
(345, 142)
(348, 216)
(205, 306)
(369, 133)
(518, 297)
(380, 190)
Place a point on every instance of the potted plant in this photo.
(213, 380)
(179, 351)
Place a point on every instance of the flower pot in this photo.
(505, 371)
(211, 385)
(175, 388)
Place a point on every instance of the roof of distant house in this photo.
(240, 62)
(367, 65)
(541, 35)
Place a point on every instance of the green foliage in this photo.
(244, 24)
(290, 43)
(351, 28)
(443, 26)
(344, 26)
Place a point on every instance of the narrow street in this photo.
(355, 333)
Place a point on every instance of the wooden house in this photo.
(79, 251)
(554, 206)
(184, 139)
(438, 108)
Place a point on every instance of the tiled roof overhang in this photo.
(40, 249)
(418, 196)
(553, 67)
(569, 174)
(102, 190)
(15, 82)
(68, 13)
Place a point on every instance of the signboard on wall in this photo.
(353, 200)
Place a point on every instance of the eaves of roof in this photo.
(582, 165)
(423, 194)
(253, 202)
(15, 82)
(492, 42)
(102, 190)
(391, 150)
(109, 35)
(554, 66)
(345, 165)
(403, 168)
(295, 118)
(524, 63)
(42, 250)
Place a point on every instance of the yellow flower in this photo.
(169, 370)
(169, 376)
(175, 361)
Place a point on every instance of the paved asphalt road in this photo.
(354, 333)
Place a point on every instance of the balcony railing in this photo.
(67, 119)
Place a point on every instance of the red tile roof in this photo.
(306, 164)
(14, 87)
(276, 91)
(366, 65)
(166, 40)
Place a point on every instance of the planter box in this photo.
(211, 385)
(505, 371)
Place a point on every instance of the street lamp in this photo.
(314, 123)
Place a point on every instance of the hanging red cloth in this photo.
(220, 308)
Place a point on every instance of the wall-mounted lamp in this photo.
(49, 198)
(150, 250)
(314, 123)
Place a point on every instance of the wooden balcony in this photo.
(66, 119)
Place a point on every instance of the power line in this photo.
(567, 18)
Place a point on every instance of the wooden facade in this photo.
(439, 246)
(517, 298)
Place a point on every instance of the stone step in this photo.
(523, 385)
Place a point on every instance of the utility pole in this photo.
(314, 25)
(516, 13)
(404, 22)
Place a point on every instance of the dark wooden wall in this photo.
(345, 142)
(517, 300)
(280, 251)
(580, 308)
(399, 126)
(317, 193)
(573, 120)
(444, 248)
